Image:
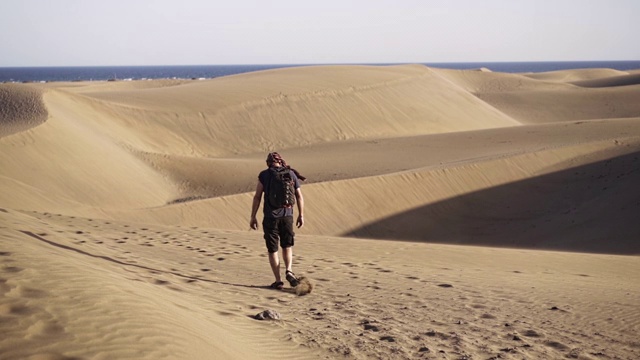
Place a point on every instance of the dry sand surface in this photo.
(449, 215)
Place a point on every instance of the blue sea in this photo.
(101, 73)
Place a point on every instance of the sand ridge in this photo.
(124, 215)
(622, 80)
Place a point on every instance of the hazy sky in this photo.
(203, 32)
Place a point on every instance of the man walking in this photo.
(281, 187)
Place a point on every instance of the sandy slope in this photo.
(89, 288)
(64, 300)
(124, 215)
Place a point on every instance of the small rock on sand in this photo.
(268, 315)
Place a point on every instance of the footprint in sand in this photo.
(12, 269)
(349, 264)
(45, 328)
(532, 333)
(370, 327)
(436, 334)
(556, 345)
(4, 287)
(15, 309)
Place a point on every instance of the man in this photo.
(278, 220)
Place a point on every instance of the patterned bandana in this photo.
(274, 157)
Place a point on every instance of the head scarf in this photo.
(274, 157)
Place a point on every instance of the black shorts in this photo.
(278, 229)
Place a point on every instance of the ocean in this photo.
(102, 73)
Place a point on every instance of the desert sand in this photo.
(448, 215)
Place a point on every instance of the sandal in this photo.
(278, 285)
(292, 279)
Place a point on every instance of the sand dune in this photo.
(322, 104)
(71, 164)
(567, 76)
(376, 200)
(124, 215)
(535, 107)
(622, 80)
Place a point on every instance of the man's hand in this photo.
(300, 221)
(257, 197)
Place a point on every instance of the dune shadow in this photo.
(591, 208)
(22, 108)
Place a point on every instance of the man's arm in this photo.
(300, 203)
(257, 198)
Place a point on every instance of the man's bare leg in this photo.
(274, 261)
(287, 255)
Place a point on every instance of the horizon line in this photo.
(329, 63)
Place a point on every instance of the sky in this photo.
(212, 32)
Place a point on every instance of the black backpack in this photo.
(281, 188)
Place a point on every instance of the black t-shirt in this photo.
(265, 177)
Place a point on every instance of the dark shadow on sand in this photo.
(593, 208)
